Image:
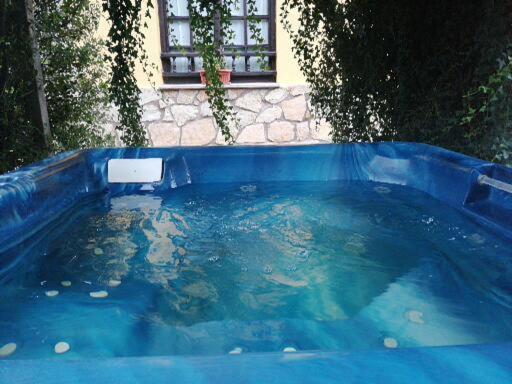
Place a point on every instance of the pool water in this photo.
(209, 269)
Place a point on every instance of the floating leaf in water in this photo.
(236, 351)
(52, 293)
(98, 294)
(61, 347)
(114, 283)
(415, 317)
(8, 349)
(390, 342)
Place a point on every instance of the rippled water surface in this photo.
(259, 267)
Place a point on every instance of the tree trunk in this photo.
(40, 110)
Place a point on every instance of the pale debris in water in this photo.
(181, 219)
(248, 188)
(415, 317)
(98, 251)
(7, 350)
(289, 350)
(98, 294)
(51, 293)
(114, 283)
(382, 190)
(284, 280)
(476, 238)
(390, 342)
(66, 283)
(43, 282)
(236, 351)
(355, 244)
(201, 290)
(61, 347)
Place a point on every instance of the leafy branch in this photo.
(126, 48)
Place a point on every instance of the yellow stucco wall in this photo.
(287, 68)
(288, 71)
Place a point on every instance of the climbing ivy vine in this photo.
(125, 44)
(427, 71)
(205, 15)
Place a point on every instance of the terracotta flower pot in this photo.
(225, 76)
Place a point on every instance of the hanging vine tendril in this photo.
(126, 48)
(205, 19)
(256, 34)
(398, 70)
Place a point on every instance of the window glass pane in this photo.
(179, 33)
(261, 7)
(228, 62)
(198, 61)
(256, 65)
(263, 27)
(238, 28)
(237, 9)
(239, 64)
(236, 63)
(181, 64)
(177, 8)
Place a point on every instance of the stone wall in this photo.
(277, 115)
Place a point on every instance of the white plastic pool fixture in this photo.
(236, 351)
(390, 342)
(98, 294)
(289, 350)
(7, 349)
(415, 317)
(135, 170)
(98, 251)
(498, 184)
(114, 283)
(65, 283)
(51, 293)
(61, 347)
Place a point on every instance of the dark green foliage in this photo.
(255, 33)
(408, 70)
(125, 44)
(203, 16)
(74, 70)
(21, 141)
(74, 74)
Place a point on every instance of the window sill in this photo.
(229, 86)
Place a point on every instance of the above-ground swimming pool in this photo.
(336, 263)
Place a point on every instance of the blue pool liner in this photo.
(33, 196)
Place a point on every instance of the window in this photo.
(182, 65)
